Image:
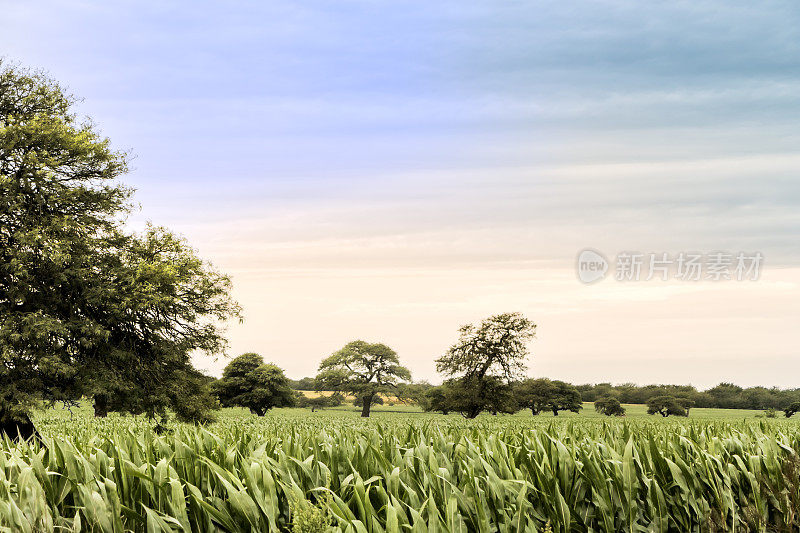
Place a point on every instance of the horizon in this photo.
(390, 173)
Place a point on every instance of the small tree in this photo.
(248, 382)
(363, 370)
(791, 409)
(544, 395)
(665, 406)
(609, 406)
(485, 360)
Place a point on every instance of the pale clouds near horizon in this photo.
(392, 171)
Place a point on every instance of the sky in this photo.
(389, 171)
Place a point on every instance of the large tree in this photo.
(249, 382)
(364, 370)
(486, 356)
(76, 306)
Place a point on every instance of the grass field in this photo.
(631, 411)
(404, 470)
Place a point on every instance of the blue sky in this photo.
(392, 170)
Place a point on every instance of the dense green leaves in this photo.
(544, 395)
(86, 308)
(248, 382)
(609, 406)
(364, 370)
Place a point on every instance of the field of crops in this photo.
(300, 472)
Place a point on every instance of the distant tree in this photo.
(248, 382)
(363, 370)
(544, 395)
(727, 396)
(485, 360)
(307, 384)
(791, 409)
(438, 399)
(413, 393)
(319, 402)
(565, 398)
(665, 406)
(609, 406)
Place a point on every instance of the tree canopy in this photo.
(249, 382)
(609, 406)
(665, 406)
(544, 395)
(363, 370)
(86, 308)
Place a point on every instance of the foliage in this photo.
(542, 394)
(85, 308)
(470, 395)
(308, 384)
(438, 399)
(413, 393)
(363, 370)
(319, 402)
(665, 406)
(791, 409)
(724, 395)
(248, 382)
(483, 359)
(609, 406)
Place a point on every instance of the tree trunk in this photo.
(366, 405)
(19, 428)
(100, 405)
(473, 412)
(555, 411)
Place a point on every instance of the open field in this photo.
(407, 471)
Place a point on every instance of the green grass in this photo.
(295, 470)
(632, 411)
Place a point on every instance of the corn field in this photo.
(286, 472)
